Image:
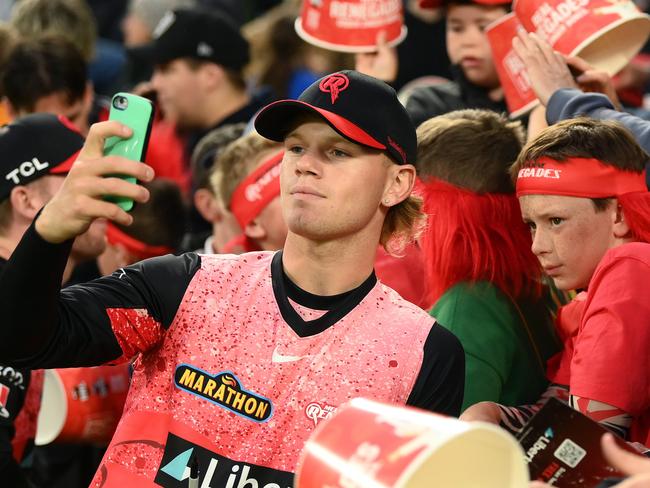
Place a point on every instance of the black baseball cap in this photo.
(198, 34)
(34, 146)
(359, 107)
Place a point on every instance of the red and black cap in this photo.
(359, 107)
(198, 34)
(34, 146)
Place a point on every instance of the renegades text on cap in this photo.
(359, 107)
(34, 146)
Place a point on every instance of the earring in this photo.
(386, 201)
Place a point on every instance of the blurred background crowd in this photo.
(68, 57)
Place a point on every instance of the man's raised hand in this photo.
(80, 199)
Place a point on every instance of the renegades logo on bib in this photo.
(225, 390)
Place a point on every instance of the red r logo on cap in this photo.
(334, 84)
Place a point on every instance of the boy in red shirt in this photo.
(583, 193)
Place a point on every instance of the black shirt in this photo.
(14, 383)
(425, 102)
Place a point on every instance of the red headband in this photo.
(136, 247)
(577, 177)
(257, 190)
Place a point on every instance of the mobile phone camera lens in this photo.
(120, 103)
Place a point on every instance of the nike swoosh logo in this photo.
(280, 358)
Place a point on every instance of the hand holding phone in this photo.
(77, 203)
(136, 113)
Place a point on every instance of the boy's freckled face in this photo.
(467, 44)
(570, 236)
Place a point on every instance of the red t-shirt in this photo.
(567, 326)
(611, 356)
(166, 154)
(404, 274)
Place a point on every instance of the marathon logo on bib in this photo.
(225, 390)
(551, 174)
(26, 169)
(215, 470)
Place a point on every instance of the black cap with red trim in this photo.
(359, 107)
(34, 146)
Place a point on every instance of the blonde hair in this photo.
(236, 161)
(403, 223)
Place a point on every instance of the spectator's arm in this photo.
(571, 103)
(513, 419)
(610, 417)
(113, 317)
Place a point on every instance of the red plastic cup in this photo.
(605, 33)
(351, 25)
(519, 95)
(374, 445)
(82, 404)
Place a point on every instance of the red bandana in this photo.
(136, 247)
(257, 190)
(577, 177)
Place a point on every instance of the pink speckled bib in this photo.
(233, 384)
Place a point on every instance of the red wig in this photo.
(636, 209)
(476, 237)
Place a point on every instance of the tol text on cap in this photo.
(26, 169)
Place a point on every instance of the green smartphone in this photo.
(136, 113)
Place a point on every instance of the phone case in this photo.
(136, 113)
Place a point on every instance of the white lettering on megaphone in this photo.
(26, 169)
(254, 190)
(363, 464)
(367, 14)
(551, 22)
(517, 71)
